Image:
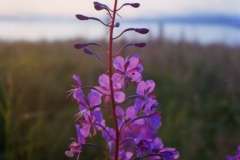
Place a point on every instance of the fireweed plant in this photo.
(134, 135)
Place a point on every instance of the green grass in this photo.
(198, 88)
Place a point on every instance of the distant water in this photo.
(65, 29)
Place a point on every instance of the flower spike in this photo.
(134, 133)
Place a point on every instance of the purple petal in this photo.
(133, 62)
(104, 81)
(135, 76)
(128, 155)
(94, 99)
(158, 144)
(77, 80)
(140, 88)
(118, 63)
(136, 55)
(119, 122)
(119, 111)
(149, 85)
(98, 115)
(117, 80)
(155, 120)
(102, 123)
(175, 155)
(138, 104)
(85, 130)
(119, 97)
(140, 67)
(130, 112)
(229, 157)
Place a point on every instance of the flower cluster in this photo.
(133, 135)
(236, 157)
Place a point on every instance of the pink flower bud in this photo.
(81, 17)
(141, 30)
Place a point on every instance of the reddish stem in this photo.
(110, 79)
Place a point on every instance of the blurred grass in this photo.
(198, 88)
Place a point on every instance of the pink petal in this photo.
(94, 99)
(150, 85)
(133, 62)
(118, 63)
(141, 88)
(104, 81)
(98, 115)
(119, 111)
(119, 97)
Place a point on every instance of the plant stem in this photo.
(110, 79)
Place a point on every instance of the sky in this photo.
(148, 8)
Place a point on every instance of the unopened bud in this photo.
(98, 7)
(141, 44)
(117, 24)
(80, 45)
(81, 17)
(141, 30)
(86, 50)
(135, 5)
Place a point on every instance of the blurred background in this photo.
(192, 53)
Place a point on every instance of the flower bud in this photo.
(87, 51)
(141, 44)
(81, 17)
(80, 45)
(141, 30)
(117, 24)
(135, 5)
(98, 7)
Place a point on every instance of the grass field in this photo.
(198, 88)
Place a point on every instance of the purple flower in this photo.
(146, 101)
(87, 123)
(122, 155)
(129, 69)
(109, 135)
(77, 90)
(169, 153)
(105, 90)
(88, 108)
(236, 157)
(154, 120)
(143, 146)
(165, 153)
(130, 113)
(75, 147)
